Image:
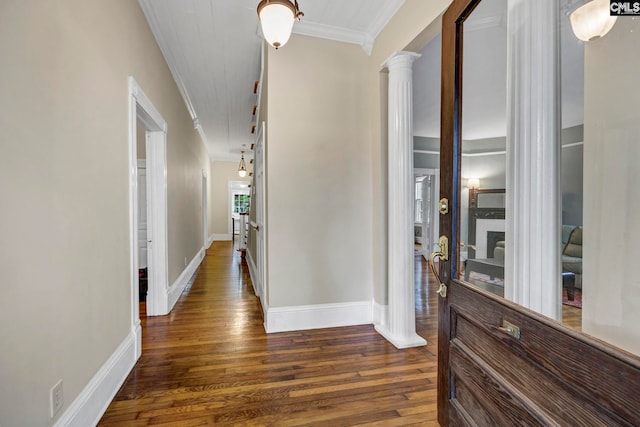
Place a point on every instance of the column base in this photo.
(400, 342)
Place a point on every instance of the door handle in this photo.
(443, 254)
(510, 329)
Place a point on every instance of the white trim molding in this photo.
(298, 318)
(93, 400)
(221, 237)
(380, 314)
(365, 38)
(253, 273)
(142, 110)
(183, 280)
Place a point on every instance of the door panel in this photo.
(489, 375)
(549, 376)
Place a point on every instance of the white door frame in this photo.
(205, 209)
(428, 245)
(235, 187)
(142, 110)
(261, 217)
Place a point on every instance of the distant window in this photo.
(419, 201)
(241, 203)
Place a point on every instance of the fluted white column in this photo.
(400, 329)
(533, 265)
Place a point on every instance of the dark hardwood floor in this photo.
(210, 363)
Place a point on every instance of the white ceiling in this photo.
(213, 50)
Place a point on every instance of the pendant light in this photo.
(277, 17)
(592, 20)
(242, 169)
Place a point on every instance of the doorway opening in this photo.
(426, 222)
(239, 199)
(145, 120)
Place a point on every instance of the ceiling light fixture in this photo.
(592, 20)
(276, 17)
(242, 169)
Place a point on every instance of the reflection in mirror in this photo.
(483, 164)
(570, 238)
(606, 278)
(599, 178)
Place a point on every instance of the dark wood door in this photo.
(499, 363)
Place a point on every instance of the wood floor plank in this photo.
(210, 363)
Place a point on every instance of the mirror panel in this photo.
(483, 151)
(601, 178)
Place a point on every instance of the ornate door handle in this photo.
(442, 253)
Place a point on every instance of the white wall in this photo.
(611, 283)
(64, 183)
(318, 174)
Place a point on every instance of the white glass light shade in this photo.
(277, 23)
(242, 173)
(592, 20)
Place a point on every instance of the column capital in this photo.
(399, 59)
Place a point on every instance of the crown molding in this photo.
(330, 32)
(365, 39)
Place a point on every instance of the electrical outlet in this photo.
(57, 398)
(185, 261)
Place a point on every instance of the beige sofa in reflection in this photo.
(572, 251)
(571, 257)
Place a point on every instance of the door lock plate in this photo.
(443, 206)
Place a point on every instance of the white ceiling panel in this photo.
(213, 50)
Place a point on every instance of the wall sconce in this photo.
(242, 169)
(592, 20)
(473, 183)
(277, 17)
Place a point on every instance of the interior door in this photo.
(260, 225)
(500, 364)
(142, 213)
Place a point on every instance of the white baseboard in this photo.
(210, 241)
(281, 319)
(257, 285)
(380, 313)
(92, 402)
(218, 237)
(253, 272)
(181, 282)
